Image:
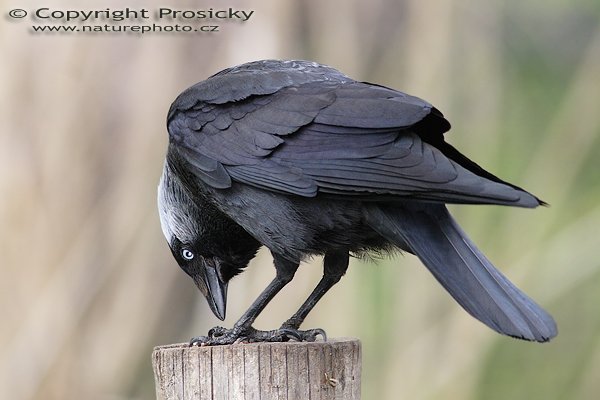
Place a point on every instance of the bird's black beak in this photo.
(216, 291)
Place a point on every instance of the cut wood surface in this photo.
(259, 371)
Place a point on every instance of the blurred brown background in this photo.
(88, 285)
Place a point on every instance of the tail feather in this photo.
(431, 233)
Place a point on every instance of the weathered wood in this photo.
(259, 371)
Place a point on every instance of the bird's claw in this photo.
(221, 336)
(309, 335)
(216, 335)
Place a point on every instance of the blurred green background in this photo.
(89, 286)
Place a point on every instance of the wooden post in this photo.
(259, 371)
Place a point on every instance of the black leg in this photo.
(335, 266)
(285, 273)
(242, 329)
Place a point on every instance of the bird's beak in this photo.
(216, 292)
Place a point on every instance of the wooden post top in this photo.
(245, 371)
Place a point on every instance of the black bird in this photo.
(300, 158)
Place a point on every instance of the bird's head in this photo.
(210, 273)
(207, 245)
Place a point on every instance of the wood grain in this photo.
(259, 371)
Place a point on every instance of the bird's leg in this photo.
(335, 266)
(242, 330)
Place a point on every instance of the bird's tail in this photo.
(430, 232)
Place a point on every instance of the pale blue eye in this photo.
(187, 254)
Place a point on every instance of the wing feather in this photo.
(341, 138)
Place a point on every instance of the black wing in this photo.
(334, 137)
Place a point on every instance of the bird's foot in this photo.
(220, 336)
(309, 335)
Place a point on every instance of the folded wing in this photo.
(333, 138)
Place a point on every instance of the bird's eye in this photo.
(187, 254)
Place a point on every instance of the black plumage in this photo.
(304, 160)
